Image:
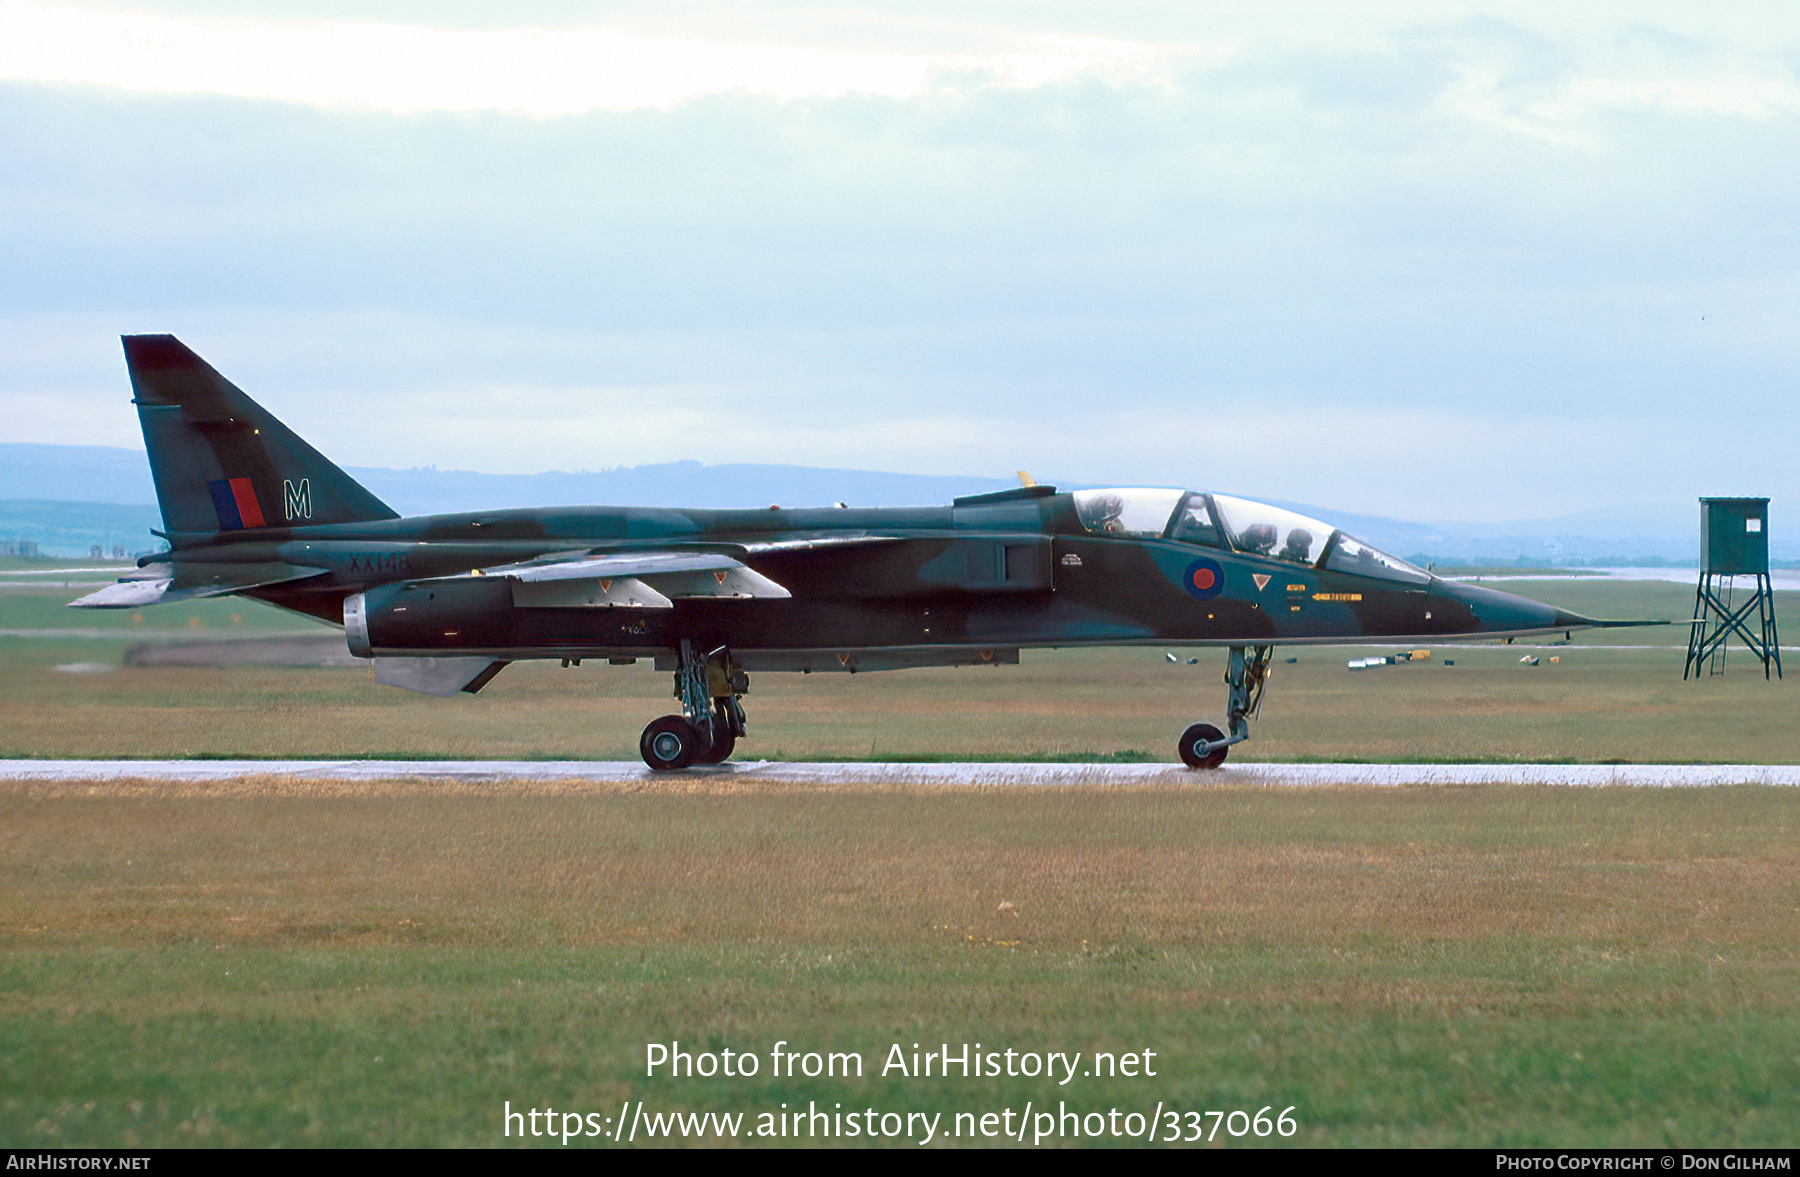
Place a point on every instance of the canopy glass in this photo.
(1225, 521)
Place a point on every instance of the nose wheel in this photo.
(1203, 746)
(1246, 671)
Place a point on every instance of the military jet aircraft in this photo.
(443, 603)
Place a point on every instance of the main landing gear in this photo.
(711, 718)
(1205, 746)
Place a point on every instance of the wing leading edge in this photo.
(638, 580)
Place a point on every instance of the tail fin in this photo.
(224, 463)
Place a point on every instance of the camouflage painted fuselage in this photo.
(250, 508)
(870, 588)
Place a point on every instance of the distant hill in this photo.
(69, 498)
(1665, 533)
(74, 529)
(104, 474)
(428, 491)
(75, 474)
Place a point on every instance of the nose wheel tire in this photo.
(669, 743)
(1194, 743)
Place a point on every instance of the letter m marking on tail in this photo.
(296, 501)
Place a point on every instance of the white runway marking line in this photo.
(949, 775)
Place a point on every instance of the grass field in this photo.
(277, 962)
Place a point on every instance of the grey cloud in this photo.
(1291, 232)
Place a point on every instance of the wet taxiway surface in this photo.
(1391, 775)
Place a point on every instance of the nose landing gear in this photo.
(1205, 746)
(711, 719)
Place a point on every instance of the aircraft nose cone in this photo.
(1492, 611)
(1567, 620)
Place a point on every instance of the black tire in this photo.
(669, 744)
(723, 744)
(1193, 736)
(725, 733)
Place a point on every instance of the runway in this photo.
(948, 775)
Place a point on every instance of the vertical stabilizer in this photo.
(221, 461)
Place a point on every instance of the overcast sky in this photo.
(1426, 260)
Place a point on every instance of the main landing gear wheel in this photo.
(1194, 742)
(727, 726)
(711, 720)
(669, 743)
(723, 743)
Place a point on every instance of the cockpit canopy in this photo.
(1223, 521)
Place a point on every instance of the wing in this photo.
(637, 580)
